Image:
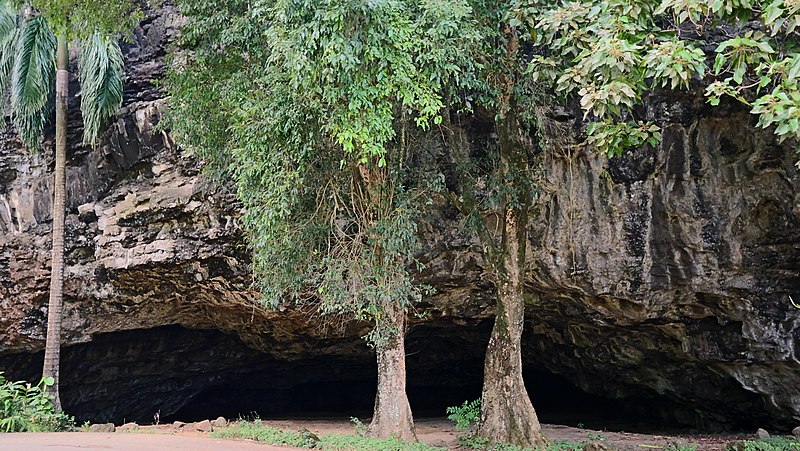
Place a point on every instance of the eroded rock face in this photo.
(141, 228)
(687, 253)
(663, 275)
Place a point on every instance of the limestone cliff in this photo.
(664, 275)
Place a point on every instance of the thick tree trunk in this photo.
(52, 349)
(392, 414)
(507, 414)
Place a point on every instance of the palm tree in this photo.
(33, 61)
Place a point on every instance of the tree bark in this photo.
(53, 342)
(392, 413)
(507, 414)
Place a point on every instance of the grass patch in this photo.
(769, 444)
(479, 443)
(254, 430)
(342, 442)
(564, 445)
(679, 447)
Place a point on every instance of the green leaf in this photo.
(8, 45)
(772, 13)
(738, 74)
(765, 47)
(32, 80)
(100, 71)
(719, 61)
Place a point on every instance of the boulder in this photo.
(128, 427)
(203, 426)
(102, 427)
(220, 422)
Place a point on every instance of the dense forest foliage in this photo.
(322, 112)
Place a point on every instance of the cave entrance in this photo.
(188, 375)
(555, 398)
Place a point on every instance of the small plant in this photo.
(769, 444)
(471, 441)
(679, 447)
(597, 436)
(564, 445)
(341, 442)
(465, 415)
(27, 408)
(361, 428)
(580, 425)
(254, 430)
(474, 442)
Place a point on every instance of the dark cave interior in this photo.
(189, 375)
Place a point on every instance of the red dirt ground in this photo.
(436, 431)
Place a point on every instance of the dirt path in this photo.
(440, 432)
(119, 441)
(434, 431)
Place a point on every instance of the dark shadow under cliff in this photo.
(188, 375)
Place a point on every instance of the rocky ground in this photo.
(441, 433)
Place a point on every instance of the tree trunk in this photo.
(52, 348)
(507, 414)
(392, 414)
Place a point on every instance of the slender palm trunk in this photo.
(507, 414)
(52, 349)
(392, 414)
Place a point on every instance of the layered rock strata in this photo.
(664, 275)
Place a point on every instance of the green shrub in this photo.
(465, 415)
(769, 444)
(564, 445)
(341, 442)
(27, 408)
(679, 447)
(475, 442)
(254, 430)
(472, 441)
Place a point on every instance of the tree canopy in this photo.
(82, 19)
(315, 109)
(28, 53)
(295, 96)
(311, 107)
(611, 54)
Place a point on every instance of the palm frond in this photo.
(32, 80)
(100, 72)
(8, 46)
